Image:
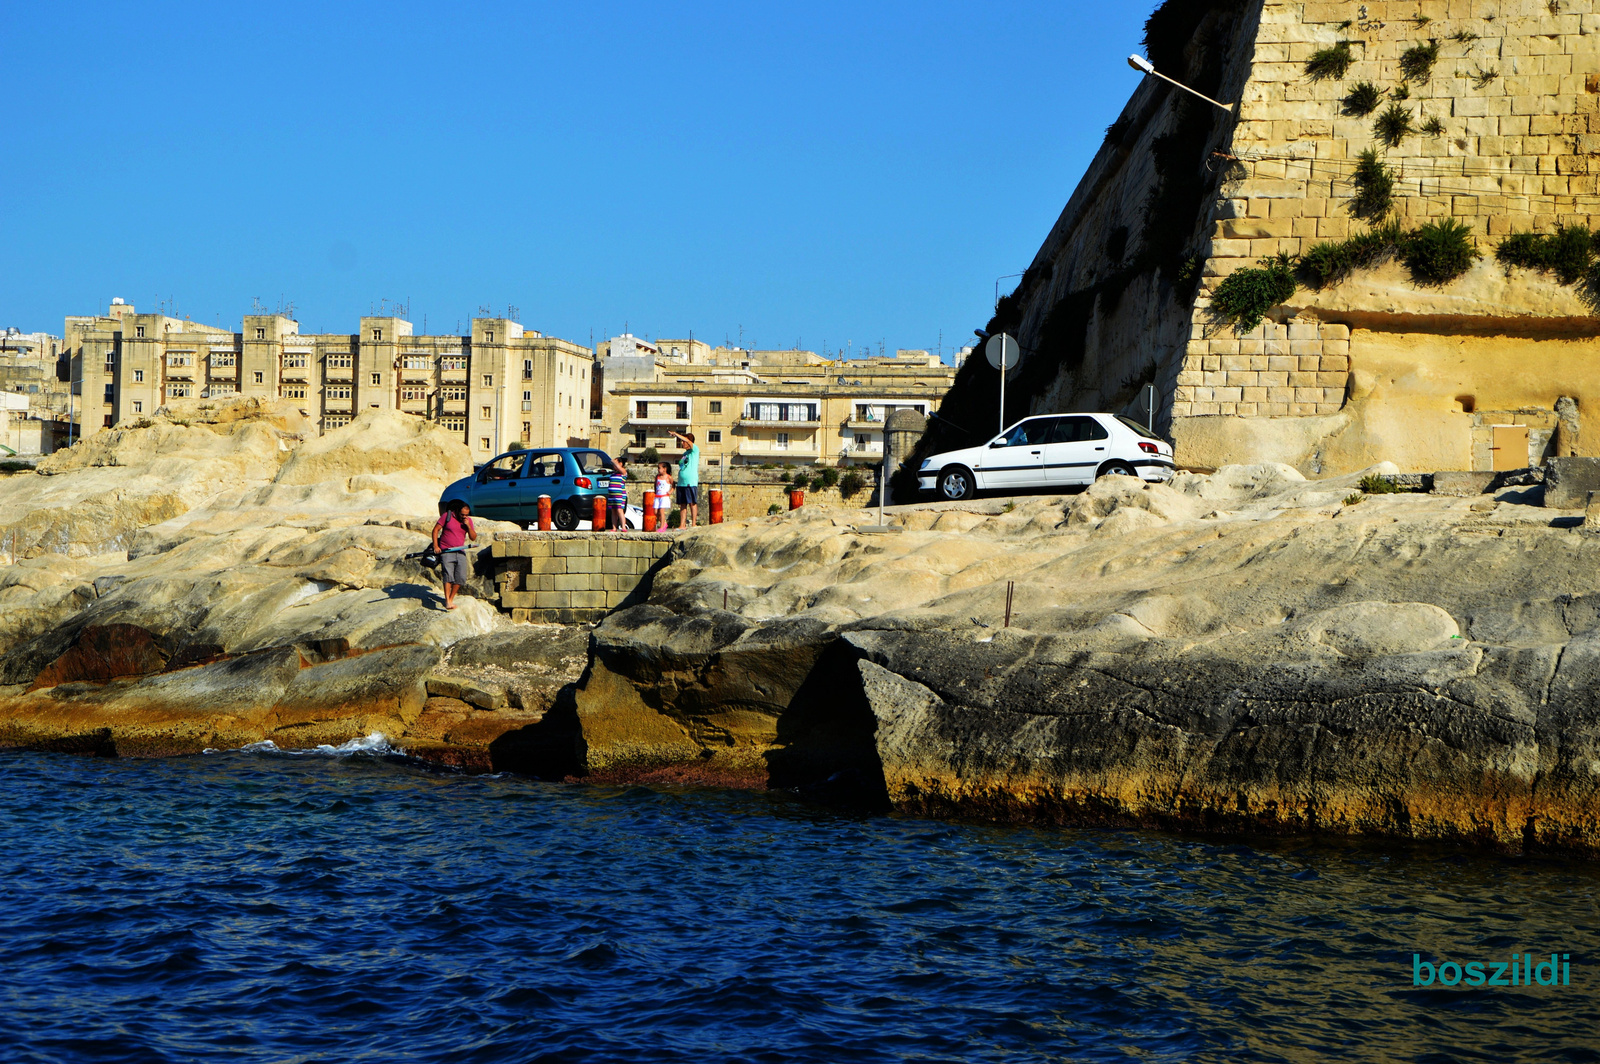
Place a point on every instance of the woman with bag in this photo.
(450, 537)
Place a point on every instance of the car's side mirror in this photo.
(998, 443)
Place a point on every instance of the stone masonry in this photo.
(574, 577)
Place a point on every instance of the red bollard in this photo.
(797, 499)
(599, 521)
(715, 495)
(649, 511)
(544, 513)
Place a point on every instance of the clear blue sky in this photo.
(823, 173)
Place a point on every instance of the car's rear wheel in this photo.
(1117, 469)
(564, 516)
(956, 483)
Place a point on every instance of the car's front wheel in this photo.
(956, 483)
(564, 516)
(1117, 469)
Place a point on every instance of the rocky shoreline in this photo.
(1247, 651)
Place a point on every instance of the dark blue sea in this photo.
(262, 906)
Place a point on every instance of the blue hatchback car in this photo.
(508, 488)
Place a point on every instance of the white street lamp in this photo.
(1144, 66)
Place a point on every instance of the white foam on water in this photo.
(374, 745)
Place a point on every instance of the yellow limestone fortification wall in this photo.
(1377, 367)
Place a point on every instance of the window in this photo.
(414, 362)
(261, 334)
(483, 442)
(527, 397)
(716, 406)
(714, 436)
(450, 362)
(456, 394)
(781, 412)
(863, 441)
(138, 407)
(638, 438)
(223, 359)
(294, 361)
(338, 391)
(377, 379)
(487, 413)
(488, 380)
(527, 430)
(108, 420)
(377, 334)
(683, 411)
(180, 358)
(488, 336)
(138, 332)
(455, 424)
(217, 390)
(179, 390)
(782, 442)
(338, 362)
(527, 369)
(109, 393)
(413, 395)
(259, 378)
(138, 376)
(336, 421)
(295, 391)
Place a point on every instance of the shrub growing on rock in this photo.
(1245, 296)
(1393, 125)
(1331, 62)
(1416, 62)
(1439, 251)
(851, 483)
(1363, 99)
(1569, 252)
(1374, 184)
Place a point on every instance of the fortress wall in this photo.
(1517, 152)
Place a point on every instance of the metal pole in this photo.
(883, 481)
(1002, 382)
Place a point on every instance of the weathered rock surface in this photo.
(1244, 651)
(271, 600)
(1248, 650)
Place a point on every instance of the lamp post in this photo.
(1144, 66)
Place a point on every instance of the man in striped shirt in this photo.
(617, 497)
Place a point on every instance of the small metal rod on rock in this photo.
(1011, 587)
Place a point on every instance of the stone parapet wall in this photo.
(574, 577)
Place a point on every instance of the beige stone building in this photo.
(499, 387)
(767, 407)
(1487, 114)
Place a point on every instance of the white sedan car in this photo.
(1049, 451)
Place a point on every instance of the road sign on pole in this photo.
(1003, 353)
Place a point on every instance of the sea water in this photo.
(346, 905)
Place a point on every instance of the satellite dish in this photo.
(1002, 351)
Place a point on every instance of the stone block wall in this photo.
(1298, 368)
(574, 577)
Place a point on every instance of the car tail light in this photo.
(1149, 448)
(582, 482)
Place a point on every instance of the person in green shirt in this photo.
(688, 481)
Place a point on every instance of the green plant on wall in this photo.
(1393, 125)
(1329, 63)
(1244, 296)
(1569, 252)
(1374, 185)
(1363, 99)
(1331, 262)
(1439, 251)
(1482, 78)
(1416, 62)
(1433, 127)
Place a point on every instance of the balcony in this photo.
(458, 376)
(769, 449)
(337, 405)
(417, 376)
(658, 422)
(226, 373)
(296, 373)
(453, 406)
(181, 372)
(859, 425)
(756, 423)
